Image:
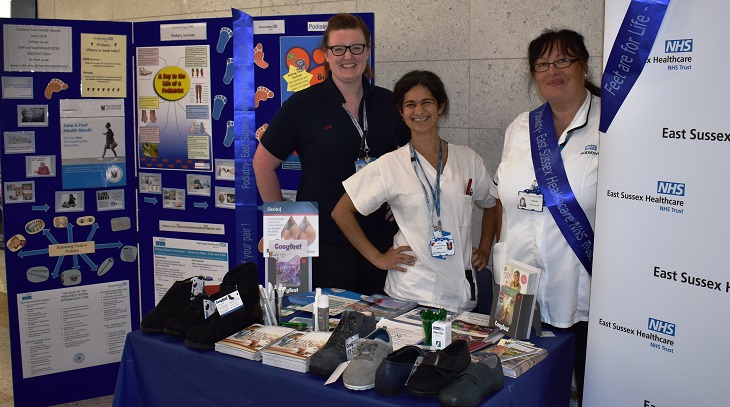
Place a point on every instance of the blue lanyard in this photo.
(435, 194)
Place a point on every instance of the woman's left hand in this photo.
(479, 259)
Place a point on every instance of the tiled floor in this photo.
(6, 381)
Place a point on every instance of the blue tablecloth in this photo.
(159, 370)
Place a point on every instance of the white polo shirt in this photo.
(391, 178)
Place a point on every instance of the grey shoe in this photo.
(371, 350)
(353, 325)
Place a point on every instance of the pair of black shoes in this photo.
(180, 314)
(433, 370)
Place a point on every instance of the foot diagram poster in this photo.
(175, 107)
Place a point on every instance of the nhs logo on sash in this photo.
(684, 45)
(670, 188)
(666, 328)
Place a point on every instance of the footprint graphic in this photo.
(218, 104)
(144, 116)
(261, 130)
(55, 85)
(228, 76)
(262, 93)
(258, 56)
(225, 35)
(229, 134)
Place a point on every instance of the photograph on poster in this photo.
(173, 198)
(110, 200)
(121, 223)
(150, 183)
(69, 201)
(32, 116)
(60, 221)
(19, 192)
(225, 169)
(16, 87)
(198, 184)
(19, 142)
(16, 243)
(40, 166)
(225, 197)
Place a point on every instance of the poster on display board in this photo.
(659, 286)
(69, 212)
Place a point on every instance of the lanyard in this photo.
(436, 195)
(363, 131)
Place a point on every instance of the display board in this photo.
(659, 287)
(188, 193)
(68, 189)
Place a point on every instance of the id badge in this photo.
(442, 245)
(530, 201)
(360, 163)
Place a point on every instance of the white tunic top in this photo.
(533, 237)
(391, 178)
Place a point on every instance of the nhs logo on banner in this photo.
(160, 244)
(666, 328)
(684, 45)
(670, 188)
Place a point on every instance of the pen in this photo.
(468, 187)
(295, 325)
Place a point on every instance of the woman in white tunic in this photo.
(431, 186)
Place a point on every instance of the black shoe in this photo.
(353, 325)
(393, 372)
(474, 384)
(174, 300)
(243, 278)
(188, 317)
(439, 368)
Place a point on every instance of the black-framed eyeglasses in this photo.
(558, 64)
(355, 49)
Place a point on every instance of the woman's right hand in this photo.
(394, 259)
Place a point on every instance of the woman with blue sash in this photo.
(545, 185)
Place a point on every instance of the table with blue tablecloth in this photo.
(160, 370)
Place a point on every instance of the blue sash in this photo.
(628, 56)
(553, 182)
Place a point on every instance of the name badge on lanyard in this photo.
(530, 201)
(442, 244)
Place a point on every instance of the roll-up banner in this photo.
(660, 284)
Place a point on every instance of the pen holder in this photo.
(427, 319)
(271, 316)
